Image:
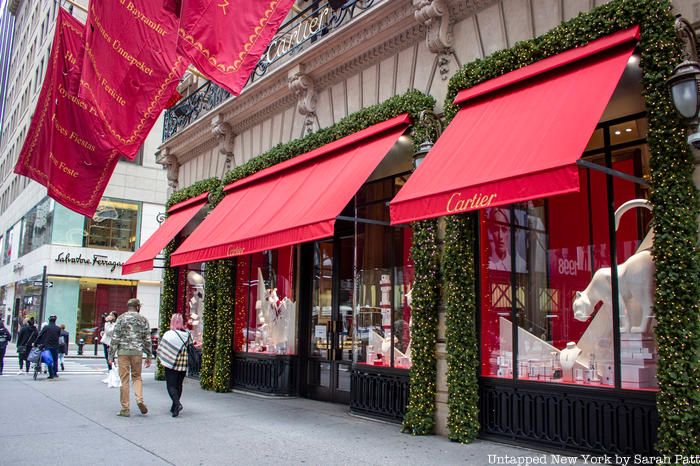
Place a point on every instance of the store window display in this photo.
(193, 279)
(549, 269)
(383, 282)
(265, 303)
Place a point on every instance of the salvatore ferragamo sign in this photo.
(97, 260)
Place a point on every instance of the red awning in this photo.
(292, 202)
(518, 137)
(178, 216)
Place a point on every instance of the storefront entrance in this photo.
(330, 325)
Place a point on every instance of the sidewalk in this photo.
(73, 421)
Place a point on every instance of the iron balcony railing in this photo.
(297, 34)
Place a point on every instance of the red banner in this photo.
(225, 38)
(66, 149)
(131, 67)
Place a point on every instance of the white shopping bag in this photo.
(113, 380)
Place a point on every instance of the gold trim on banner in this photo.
(252, 39)
(37, 130)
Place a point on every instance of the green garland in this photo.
(223, 281)
(460, 332)
(420, 413)
(210, 321)
(412, 102)
(168, 301)
(674, 198)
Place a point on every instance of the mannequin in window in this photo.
(196, 281)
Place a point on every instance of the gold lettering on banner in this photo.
(72, 135)
(478, 201)
(138, 15)
(103, 32)
(61, 129)
(71, 58)
(63, 167)
(132, 60)
(234, 251)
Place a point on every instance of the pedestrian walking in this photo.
(63, 340)
(107, 332)
(131, 338)
(172, 353)
(49, 338)
(5, 337)
(25, 340)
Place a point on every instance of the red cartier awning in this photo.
(292, 202)
(518, 137)
(178, 216)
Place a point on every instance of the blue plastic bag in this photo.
(46, 358)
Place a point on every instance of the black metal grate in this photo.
(274, 375)
(379, 393)
(564, 416)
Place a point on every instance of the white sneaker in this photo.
(20, 372)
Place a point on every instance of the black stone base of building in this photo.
(262, 373)
(570, 417)
(379, 392)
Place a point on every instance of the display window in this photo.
(265, 315)
(383, 281)
(192, 279)
(554, 271)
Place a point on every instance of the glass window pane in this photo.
(68, 227)
(638, 348)
(37, 226)
(321, 299)
(113, 226)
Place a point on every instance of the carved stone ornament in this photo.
(435, 15)
(169, 163)
(223, 132)
(303, 88)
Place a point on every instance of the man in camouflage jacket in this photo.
(132, 338)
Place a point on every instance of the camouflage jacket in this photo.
(132, 334)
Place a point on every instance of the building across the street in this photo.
(82, 257)
(315, 250)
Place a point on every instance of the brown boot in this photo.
(142, 407)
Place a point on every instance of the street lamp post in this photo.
(684, 86)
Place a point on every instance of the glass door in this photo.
(330, 326)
